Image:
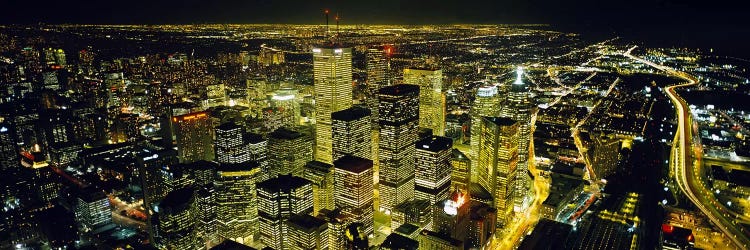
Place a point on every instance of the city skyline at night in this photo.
(391, 125)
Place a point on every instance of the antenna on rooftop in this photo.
(326, 12)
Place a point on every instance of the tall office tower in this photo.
(288, 152)
(337, 223)
(278, 199)
(176, 220)
(354, 189)
(431, 98)
(332, 74)
(605, 153)
(433, 169)
(497, 161)
(237, 201)
(230, 148)
(202, 172)
(461, 173)
(356, 238)
(321, 176)
(8, 152)
(92, 209)
(194, 137)
(307, 232)
(149, 163)
(285, 101)
(352, 133)
(257, 147)
(399, 117)
(216, 95)
(377, 77)
(519, 108)
(486, 103)
(207, 224)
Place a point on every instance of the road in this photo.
(683, 162)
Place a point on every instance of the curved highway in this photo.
(683, 165)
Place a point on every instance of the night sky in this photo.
(716, 23)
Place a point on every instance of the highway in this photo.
(684, 164)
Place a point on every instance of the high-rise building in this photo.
(321, 176)
(519, 107)
(461, 173)
(8, 152)
(430, 240)
(306, 232)
(230, 148)
(216, 95)
(257, 147)
(207, 224)
(176, 222)
(288, 152)
(337, 224)
(278, 199)
(432, 106)
(486, 103)
(605, 153)
(433, 169)
(284, 100)
(377, 77)
(92, 209)
(332, 74)
(398, 121)
(194, 134)
(497, 161)
(352, 133)
(236, 200)
(354, 189)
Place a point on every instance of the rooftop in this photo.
(353, 164)
(501, 121)
(351, 114)
(306, 222)
(435, 143)
(399, 90)
(283, 182)
(177, 200)
(284, 133)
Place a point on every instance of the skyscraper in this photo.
(377, 77)
(229, 145)
(433, 169)
(519, 107)
(461, 171)
(92, 209)
(399, 117)
(352, 133)
(194, 137)
(307, 233)
(486, 103)
(288, 152)
(236, 200)
(332, 74)
(354, 191)
(176, 220)
(278, 199)
(431, 98)
(321, 176)
(497, 161)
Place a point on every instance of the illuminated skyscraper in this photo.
(354, 191)
(237, 210)
(194, 137)
(306, 232)
(284, 100)
(519, 107)
(8, 152)
(278, 199)
(399, 117)
(487, 103)
(176, 222)
(92, 209)
(332, 73)
(216, 95)
(288, 152)
(433, 169)
(321, 176)
(337, 224)
(461, 171)
(431, 98)
(352, 133)
(257, 147)
(377, 77)
(229, 145)
(497, 162)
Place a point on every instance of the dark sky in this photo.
(687, 22)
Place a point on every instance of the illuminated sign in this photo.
(316, 50)
(3, 129)
(151, 157)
